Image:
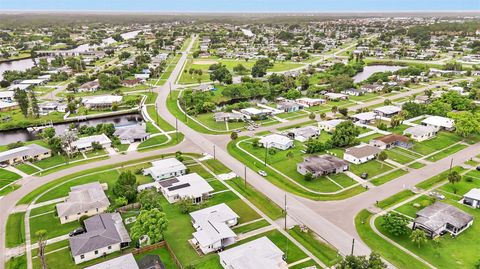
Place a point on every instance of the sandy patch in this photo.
(204, 62)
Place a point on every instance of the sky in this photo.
(240, 5)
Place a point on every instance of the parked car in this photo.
(76, 232)
(478, 168)
(437, 195)
(364, 175)
(3, 165)
(262, 173)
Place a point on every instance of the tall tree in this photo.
(21, 98)
(126, 186)
(454, 177)
(374, 261)
(345, 134)
(418, 237)
(395, 224)
(42, 243)
(152, 223)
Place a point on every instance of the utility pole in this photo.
(176, 128)
(170, 94)
(285, 209)
(266, 152)
(245, 175)
(185, 110)
(451, 164)
(353, 246)
(156, 113)
(214, 152)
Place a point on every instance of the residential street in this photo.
(333, 220)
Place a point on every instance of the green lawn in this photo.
(410, 209)
(251, 227)
(388, 177)
(446, 152)
(15, 230)
(50, 223)
(19, 262)
(393, 254)
(164, 125)
(55, 160)
(416, 165)
(164, 256)
(324, 252)
(27, 169)
(8, 175)
(216, 166)
(441, 141)
(153, 141)
(426, 184)
(397, 198)
(372, 167)
(398, 157)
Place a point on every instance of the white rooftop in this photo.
(439, 121)
(365, 116)
(122, 262)
(473, 194)
(191, 185)
(259, 253)
(275, 138)
(104, 99)
(166, 166)
(388, 109)
(85, 142)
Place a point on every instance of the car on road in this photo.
(76, 232)
(262, 173)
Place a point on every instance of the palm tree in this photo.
(382, 157)
(453, 178)
(334, 110)
(418, 237)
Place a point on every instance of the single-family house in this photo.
(364, 117)
(212, 225)
(101, 102)
(361, 154)
(191, 186)
(255, 113)
(90, 86)
(105, 234)
(472, 198)
(131, 133)
(142, 77)
(288, 106)
(85, 143)
(354, 92)
(123, 262)
(280, 142)
(206, 87)
(329, 125)
(48, 107)
(309, 102)
(441, 123)
(372, 87)
(166, 168)
(7, 96)
(391, 141)
(32, 152)
(336, 96)
(387, 111)
(259, 253)
(302, 134)
(84, 200)
(322, 165)
(441, 218)
(228, 116)
(420, 132)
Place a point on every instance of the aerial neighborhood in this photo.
(239, 142)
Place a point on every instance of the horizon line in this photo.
(235, 12)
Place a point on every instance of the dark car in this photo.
(364, 175)
(76, 232)
(478, 168)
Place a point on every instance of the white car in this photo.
(262, 173)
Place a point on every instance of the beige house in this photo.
(83, 200)
(32, 152)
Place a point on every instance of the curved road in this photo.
(333, 221)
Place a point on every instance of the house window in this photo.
(86, 212)
(66, 217)
(109, 247)
(97, 209)
(78, 213)
(82, 256)
(96, 252)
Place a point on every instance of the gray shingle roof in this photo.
(102, 230)
(437, 215)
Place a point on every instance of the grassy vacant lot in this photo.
(397, 198)
(16, 230)
(8, 175)
(176, 138)
(153, 141)
(324, 252)
(152, 112)
(251, 227)
(388, 177)
(216, 167)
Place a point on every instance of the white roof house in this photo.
(7, 96)
(88, 199)
(472, 198)
(306, 101)
(191, 186)
(259, 253)
(361, 153)
(122, 262)
(33, 81)
(276, 141)
(101, 101)
(421, 132)
(387, 111)
(131, 133)
(166, 168)
(335, 96)
(364, 117)
(212, 227)
(85, 143)
(329, 125)
(439, 122)
(27, 152)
